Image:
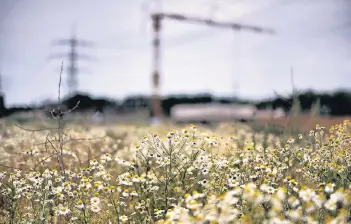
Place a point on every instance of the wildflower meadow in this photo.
(129, 174)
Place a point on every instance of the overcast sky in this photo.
(312, 36)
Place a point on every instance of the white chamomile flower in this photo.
(95, 200)
(123, 218)
(329, 188)
(95, 208)
(62, 210)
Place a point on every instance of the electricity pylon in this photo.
(73, 57)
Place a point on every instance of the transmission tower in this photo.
(73, 57)
(156, 21)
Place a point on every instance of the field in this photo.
(80, 172)
(305, 122)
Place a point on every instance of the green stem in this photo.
(115, 207)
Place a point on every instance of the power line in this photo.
(73, 57)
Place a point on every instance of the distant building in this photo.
(212, 112)
(270, 113)
(216, 112)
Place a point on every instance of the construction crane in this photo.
(156, 21)
(73, 57)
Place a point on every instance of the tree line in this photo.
(337, 103)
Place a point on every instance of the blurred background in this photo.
(183, 60)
